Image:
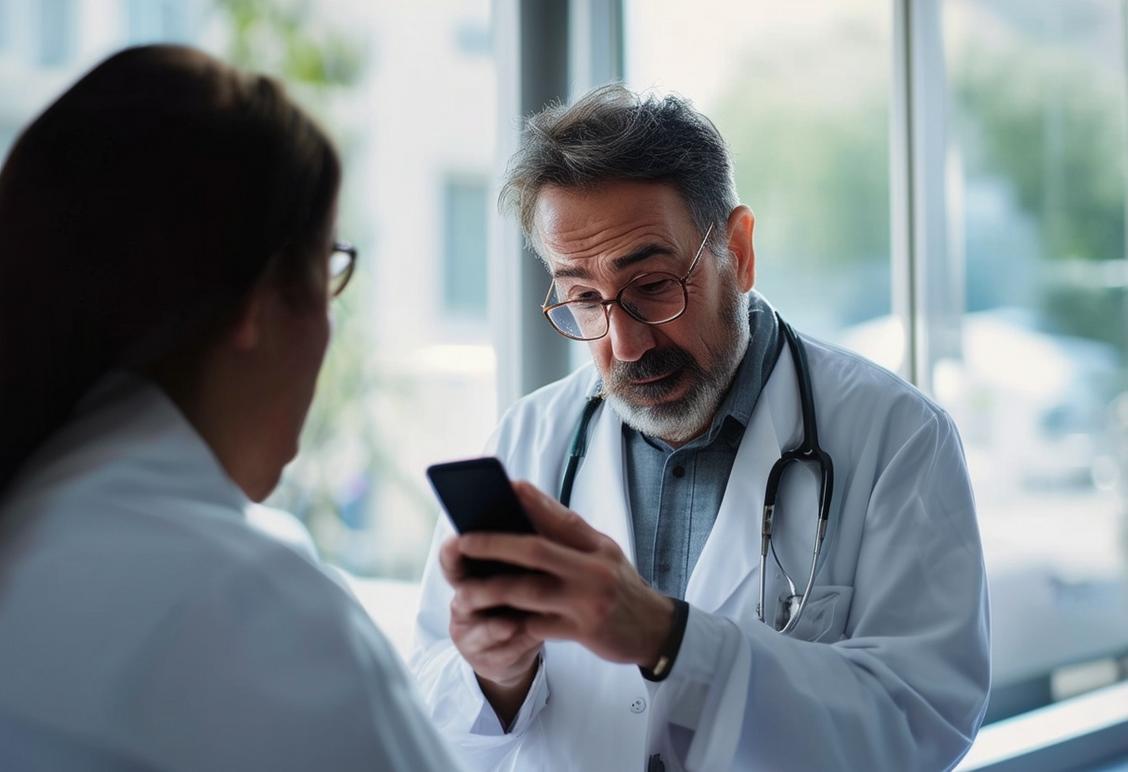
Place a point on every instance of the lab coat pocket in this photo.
(824, 618)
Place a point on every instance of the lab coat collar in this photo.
(731, 552)
(602, 496)
(128, 420)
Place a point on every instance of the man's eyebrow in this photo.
(644, 252)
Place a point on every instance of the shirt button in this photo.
(638, 706)
(679, 471)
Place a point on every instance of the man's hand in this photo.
(584, 590)
(496, 646)
(503, 655)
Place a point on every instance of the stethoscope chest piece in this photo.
(788, 609)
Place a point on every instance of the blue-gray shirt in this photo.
(675, 494)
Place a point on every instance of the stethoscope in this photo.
(808, 452)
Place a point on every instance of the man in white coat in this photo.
(639, 643)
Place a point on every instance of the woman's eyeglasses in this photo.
(342, 261)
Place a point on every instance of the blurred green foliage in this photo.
(1041, 114)
(1056, 134)
(810, 145)
(283, 37)
(823, 175)
(1049, 120)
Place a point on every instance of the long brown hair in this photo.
(136, 214)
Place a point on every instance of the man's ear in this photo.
(246, 334)
(741, 226)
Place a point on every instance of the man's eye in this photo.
(655, 286)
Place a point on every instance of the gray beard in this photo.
(681, 420)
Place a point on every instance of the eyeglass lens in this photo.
(340, 269)
(652, 298)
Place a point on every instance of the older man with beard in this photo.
(652, 630)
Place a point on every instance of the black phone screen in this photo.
(478, 496)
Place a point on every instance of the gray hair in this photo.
(613, 134)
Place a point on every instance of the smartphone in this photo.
(478, 496)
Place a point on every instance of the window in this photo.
(56, 32)
(465, 209)
(1036, 373)
(473, 37)
(802, 99)
(406, 382)
(6, 23)
(157, 20)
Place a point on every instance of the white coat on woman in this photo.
(151, 619)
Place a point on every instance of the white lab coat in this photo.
(148, 622)
(888, 669)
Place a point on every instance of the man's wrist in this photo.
(506, 698)
(663, 663)
(518, 681)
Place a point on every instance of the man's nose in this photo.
(630, 338)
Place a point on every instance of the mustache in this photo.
(652, 364)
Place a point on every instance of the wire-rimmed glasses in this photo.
(342, 262)
(656, 297)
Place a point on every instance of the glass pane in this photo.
(465, 209)
(6, 24)
(157, 20)
(410, 376)
(803, 100)
(56, 32)
(1037, 379)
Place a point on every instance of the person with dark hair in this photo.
(167, 258)
(772, 559)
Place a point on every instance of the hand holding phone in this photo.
(478, 496)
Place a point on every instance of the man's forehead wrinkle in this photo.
(576, 243)
(589, 241)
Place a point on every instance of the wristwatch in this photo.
(672, 645)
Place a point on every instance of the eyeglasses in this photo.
(342, 261)
(651, 298)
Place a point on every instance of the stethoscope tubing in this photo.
(808, 452)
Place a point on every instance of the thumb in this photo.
(554, 521)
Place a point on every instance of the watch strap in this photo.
(670, 648)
